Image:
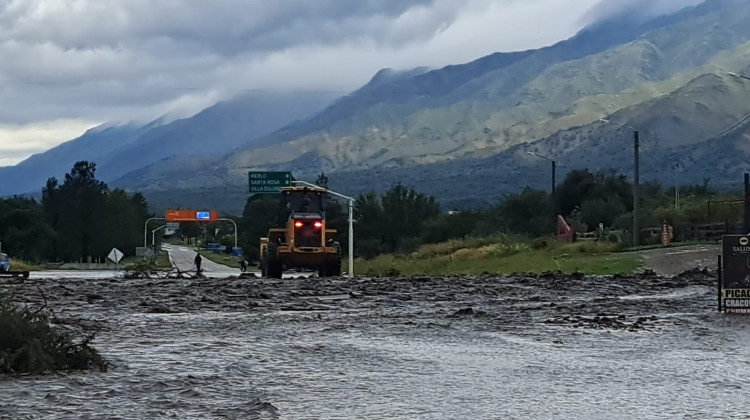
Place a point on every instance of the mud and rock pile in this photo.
(632, 303)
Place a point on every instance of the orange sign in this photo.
(190, 215)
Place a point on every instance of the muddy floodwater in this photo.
(370, 348)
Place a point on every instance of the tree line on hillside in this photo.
(401, 218)
(82, 218)
(78, 220)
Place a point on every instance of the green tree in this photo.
(598, 210)
(593, 196)
(529, 212)
(397, 217)
(261, 213)
(23, 229)
(80, 201)
(404, 213)
(452, 226)
(88, 219)
(120, 216)
(322, 180)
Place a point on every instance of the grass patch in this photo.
(224, 259)
(502, 255)
(158, 262)
(29, 345)
(19, 265)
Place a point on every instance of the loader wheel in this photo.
(273, 263)
(331, 268)
(263, 263)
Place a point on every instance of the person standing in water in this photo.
(198, 259)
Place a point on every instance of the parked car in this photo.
(4, 262)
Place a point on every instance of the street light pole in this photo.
(235, 229)
(636, 173)
(554, 166)
(145, 230)
(553, 177)
(153, 236)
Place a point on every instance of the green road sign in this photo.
(268, 182)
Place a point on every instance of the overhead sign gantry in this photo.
(190, 216)
(177, 216)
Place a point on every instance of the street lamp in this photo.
(636, 145)
(153, 236)
(145, 244)
(554, 165)
(235, 229)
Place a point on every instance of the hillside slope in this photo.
(484, 107)
(206, 136)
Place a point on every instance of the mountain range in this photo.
(463, 132)
(119, 149)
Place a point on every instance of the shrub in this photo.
(369, 248)
(29, 345)
(409, 245)
(539, 243)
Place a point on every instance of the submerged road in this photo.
(457, 347)
(182, 257)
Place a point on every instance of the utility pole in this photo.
(636, 173)
(554, 166)
(746, 215)
(552, 196)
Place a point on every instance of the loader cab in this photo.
(306, 215)
(304, 200)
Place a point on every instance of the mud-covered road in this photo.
(434, 348)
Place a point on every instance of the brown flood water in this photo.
(424, 348)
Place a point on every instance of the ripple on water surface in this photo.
(404, 359)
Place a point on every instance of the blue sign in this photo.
(203, 215)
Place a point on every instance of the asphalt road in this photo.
(182, 257)
(675, 260)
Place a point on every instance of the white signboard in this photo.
(115, 255)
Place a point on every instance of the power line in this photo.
(732, 127)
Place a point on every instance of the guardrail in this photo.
(706, 232)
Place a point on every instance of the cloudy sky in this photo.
(68, 65)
